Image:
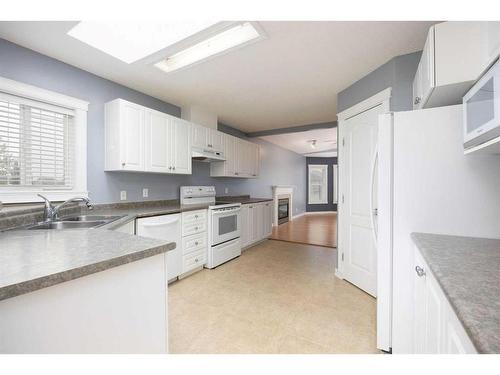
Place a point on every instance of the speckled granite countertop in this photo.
(468, 271)
(36, 259)
(243, 199)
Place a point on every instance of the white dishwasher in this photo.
(168, 228)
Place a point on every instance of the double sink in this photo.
(77, 222)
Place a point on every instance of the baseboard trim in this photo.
(313, 213)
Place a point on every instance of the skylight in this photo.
(131, 41)
(238, 35)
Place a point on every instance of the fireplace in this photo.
(283, 210)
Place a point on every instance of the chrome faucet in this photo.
(51, 212)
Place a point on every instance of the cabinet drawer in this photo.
(189, 229)
(193, 260)
(194, 216)
(194, 242)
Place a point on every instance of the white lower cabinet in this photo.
(194, 240)
(256, 222)
(437, 328)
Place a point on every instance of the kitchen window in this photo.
(42, 144)
(318, 184)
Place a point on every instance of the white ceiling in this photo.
(289, 79)
(300, 142)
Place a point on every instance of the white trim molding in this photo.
(36, 93)
(79, 108)
(366, 104)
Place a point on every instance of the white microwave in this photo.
(481, 108)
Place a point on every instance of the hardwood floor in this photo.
(277, 297)
(313, 229)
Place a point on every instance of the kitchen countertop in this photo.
(468, 271)
(243, 199)
(36, 259)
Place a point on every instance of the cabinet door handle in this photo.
(196, 260)
(170, 168)
(417, 100)
(195, 228)
(196, 216)
(196, 243)
(123, 164)
(420, 271)
(173, 168)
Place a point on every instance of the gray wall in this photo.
(330, 206)
(397, 73)
(278, 166)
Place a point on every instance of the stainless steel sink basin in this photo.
(84, 218)
(77, 222)
(68, 224)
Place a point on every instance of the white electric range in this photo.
(224, 223)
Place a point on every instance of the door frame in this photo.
(381, 98)
(384, 289)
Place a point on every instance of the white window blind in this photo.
(36, 144)
(318, 184)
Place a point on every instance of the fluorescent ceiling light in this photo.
(132, 41)
(228, 39)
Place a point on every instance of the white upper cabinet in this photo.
(141, 139)
(206, 138)
(181, 146)
(124, 136)
(199, 136)
(453, 58)
(215, 140)
(157, 140)
(493, 43)
(242, 159)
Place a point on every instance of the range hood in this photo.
(207, 156)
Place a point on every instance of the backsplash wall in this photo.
(278, 166)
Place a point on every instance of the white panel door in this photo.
(132, 137)
(199, 136)
(256, 223)
(358, 244)
(180, 146)
(157, 147)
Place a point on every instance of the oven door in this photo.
(225, 225)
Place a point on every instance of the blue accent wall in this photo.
(278, 166)
(397, 73)
(330, 206)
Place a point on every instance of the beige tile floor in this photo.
(278, 297)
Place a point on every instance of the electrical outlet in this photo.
(226, 190)
(123, 195)
(145, 193)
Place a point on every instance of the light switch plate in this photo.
(123, 195)
(145, 192)
(226, 190)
